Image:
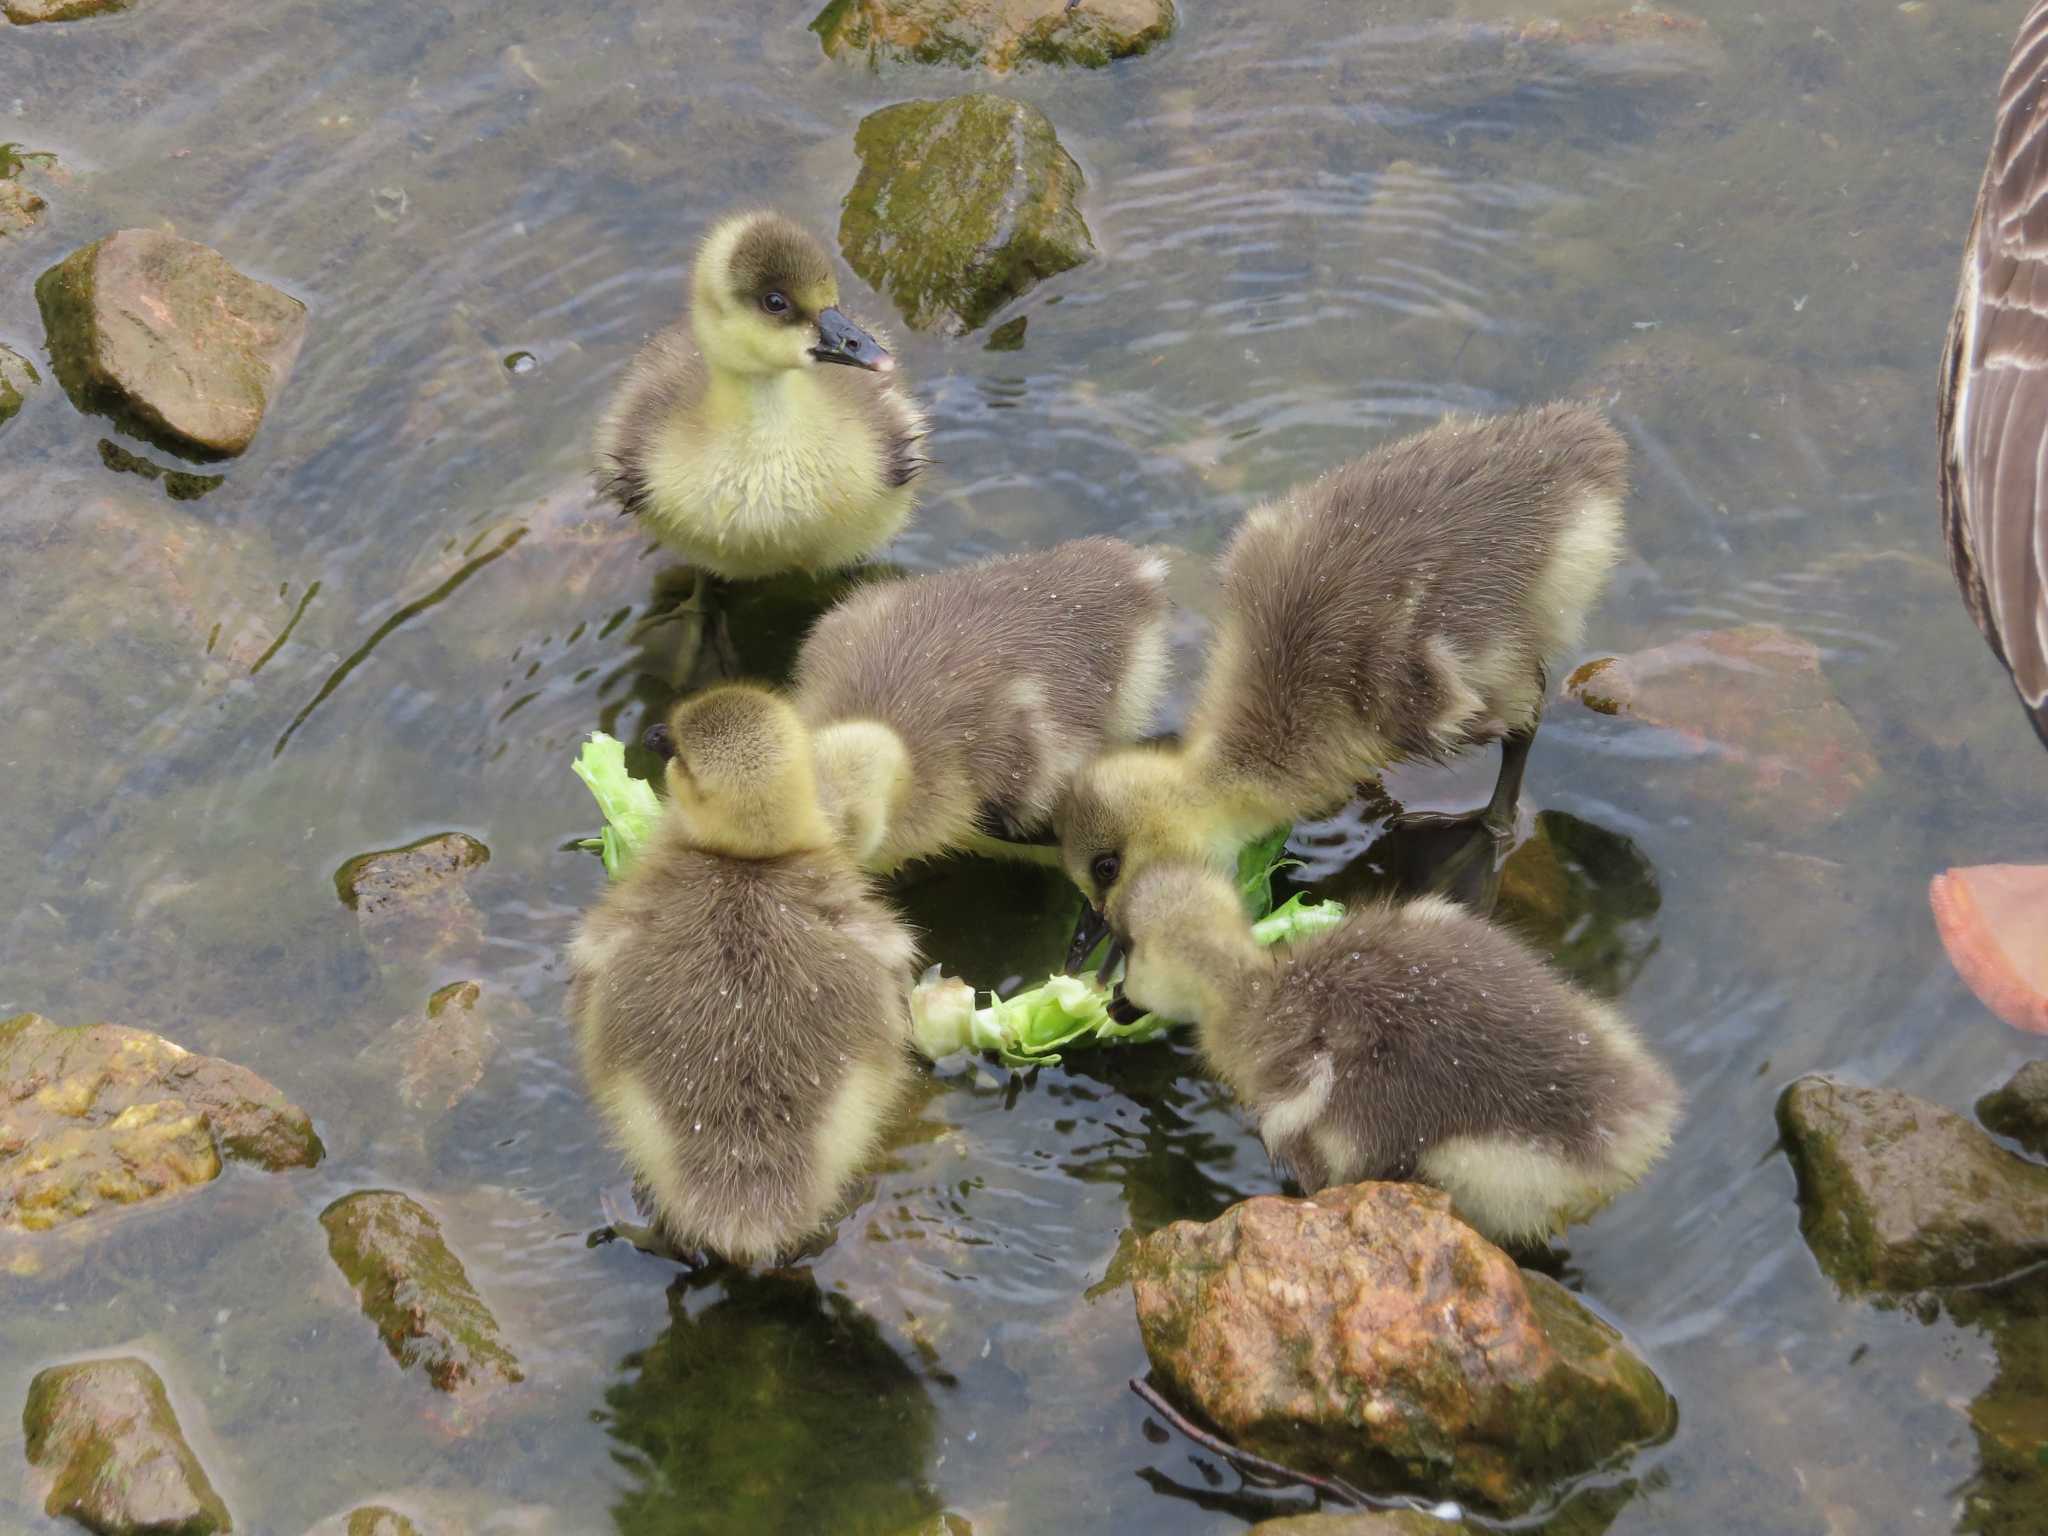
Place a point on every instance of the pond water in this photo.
(1319, 227)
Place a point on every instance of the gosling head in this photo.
(1185, 934)
(764, 300)
(1124, 811)
(740, 775)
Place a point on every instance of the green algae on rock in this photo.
(961, 205)
(165, 337)
(1367, 1332)
(1898, 1195)
(97, 1115)
(1376, 1522)
(27, 12)
(412, 904)
(18, 380)
(996, 34)
(413, 1287)
(376, 1520)
(104, 1448)
(2020, 1108)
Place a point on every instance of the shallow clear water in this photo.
(1320, 226)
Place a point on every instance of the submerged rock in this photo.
(413, 1287)
(1899, 1195)
(162, 334)
(1752, 698)
(412, 903)
(20, 208)
(1367, 1332)
(370, 1520)
(99, 1115)
(438, 1055)
(104, 1448)
(997, 34)
(27, 12)
(2020, 1108)
(961, 205)
(1375, 1522)
(18, 380)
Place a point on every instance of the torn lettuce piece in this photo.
(630, 805)
(1032, 1027)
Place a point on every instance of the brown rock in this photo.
(996, 34)
(1899, 1195)
(2020, 1108)
(1369, 1333)
(104, 1448)
(163, 333)
(412, 1286)
(1752, 698)
(411, 903)
(100, 1115)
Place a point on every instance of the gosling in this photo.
(1403, 606)
(1411, 1041)
(948, 712)
(731, 441)
(740, 994)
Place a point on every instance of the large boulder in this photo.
(98, 1115)
(2020, 1108)
(163, 335)
(104, 1447)
(1753, 706)
(1367, 1332)
(1898, 1195)
(18, 380)
(413, 1287)
(996, 34)
(961, 205)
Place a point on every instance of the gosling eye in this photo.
(1105, 868)
(775, 303)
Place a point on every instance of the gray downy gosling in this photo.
(733, 436)
(1413, 1041)
(1403, 606)
(948, 712)
(740, 994)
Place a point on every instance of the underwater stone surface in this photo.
(1898, 1195)
(376, 1520)
(1378, 1522)
(438, 1055)
(413, 1287)
(2020, 1108)
(20, 209)
(997, 34)
(1752, 699)
(104, 1448)
(18, 379)
(411, 904)
(1369, 1333)
(163, 334)
(961, 205)
(99, 1115)
(26, 12)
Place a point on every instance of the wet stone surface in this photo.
(411, 903)
(98, 1116)
(1367, 1332)
(166, 337)
(961, 205)
(105, 1449)
(996, 34)
(1898, 1195)
(2020, 1108)
(415, 1290)
(18, 380)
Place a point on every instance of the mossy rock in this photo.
(961, 205)
(18, 380)
(104, 1448)
(1366, 1332)
(994, 34)
(1898, 1195)
(2020, 1108)
(413, 1287)
(169, 340)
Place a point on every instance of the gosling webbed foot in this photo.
(645, 1236)
(1455, 855)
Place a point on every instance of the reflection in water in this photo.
(768, 1407)
(1579, 893)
